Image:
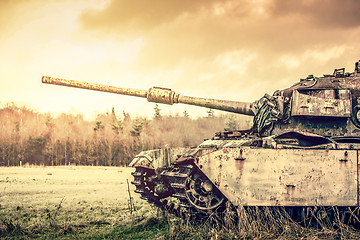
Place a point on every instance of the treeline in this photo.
(112, 139)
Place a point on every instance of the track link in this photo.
(177, 177)
(144, 183)
(181, 185)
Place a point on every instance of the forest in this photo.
(113, 138)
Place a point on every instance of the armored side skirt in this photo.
(284, 177)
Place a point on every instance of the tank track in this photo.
(145, 186)
(179, 179)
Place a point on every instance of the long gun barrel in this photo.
(158, 95)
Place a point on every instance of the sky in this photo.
(224, 49)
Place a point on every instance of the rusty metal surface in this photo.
(157, 158)
(225, 105)
(157, 95)
(162, 95)
(94, 86)
(323, 104)
(283, 177)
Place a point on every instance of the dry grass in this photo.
(92, 203)
(42, 200)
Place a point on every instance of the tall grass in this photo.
(263, 223)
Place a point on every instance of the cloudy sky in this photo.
(226, 49)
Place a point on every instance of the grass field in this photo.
(76, 201)
(93, 203)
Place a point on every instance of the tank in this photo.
(302, 151)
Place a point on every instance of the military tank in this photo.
(302, 150)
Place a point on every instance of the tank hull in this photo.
(236, 173)
(283, 177)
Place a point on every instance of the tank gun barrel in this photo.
(158, 95)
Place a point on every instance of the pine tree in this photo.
(157, 111)
(231, 124)
(137, 127)
(210, 113)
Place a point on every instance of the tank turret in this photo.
(328, 105)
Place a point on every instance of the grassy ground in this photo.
(93, 203)
(53, 201)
